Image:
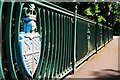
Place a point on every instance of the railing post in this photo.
(103, 34)
(75, 24)
(108, 34)
(96, 34)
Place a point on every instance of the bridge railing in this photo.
(56, 27)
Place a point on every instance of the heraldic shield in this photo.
(29, 42)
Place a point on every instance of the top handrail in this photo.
(57, 8)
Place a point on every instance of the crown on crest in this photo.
(29, 11)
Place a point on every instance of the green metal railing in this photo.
(1, 70)
(67, 40)
(87, 43)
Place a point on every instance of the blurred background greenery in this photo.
(106, 13)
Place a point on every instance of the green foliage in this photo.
(97, 8)
(93, 11)
(106, 13)
(101, 18)
(88, 11)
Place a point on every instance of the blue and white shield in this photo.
(30, 49)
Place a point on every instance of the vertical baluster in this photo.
(65, 43)
(1, 70)
(47, 47)
(72, 41)
(8, 40)
(55, 46)
(58, 46)
(43, 25)
(16, 30)
(37, 73)
(38, 20)
(51, 45)
(68, 42)
(104, 35)
(101, 34)
(61, 44)
(70, 24)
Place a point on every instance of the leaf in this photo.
(97, 8)
(101, 18)
(88, 11)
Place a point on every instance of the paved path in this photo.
(104, 64)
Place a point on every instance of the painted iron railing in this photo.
(67, 40)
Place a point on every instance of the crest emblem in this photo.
(29, 41)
